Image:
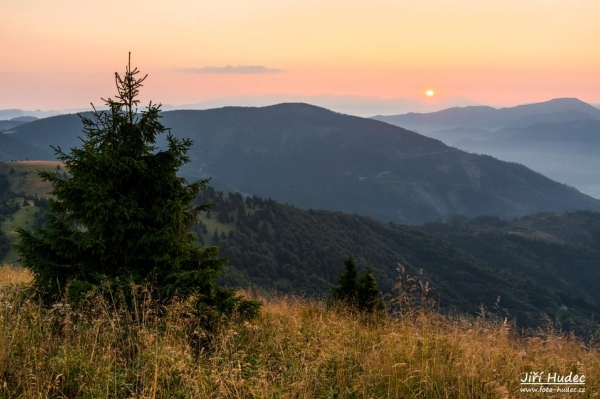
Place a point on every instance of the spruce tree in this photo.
(369, 296)
(361, 292)
(124, 215)
(347, 290)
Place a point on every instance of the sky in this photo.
(62, 54)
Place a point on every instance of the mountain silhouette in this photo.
(556, 110)
(315, 158)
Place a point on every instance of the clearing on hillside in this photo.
(25, 179)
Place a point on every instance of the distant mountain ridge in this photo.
(582, 134)
(315, 158)
(559, 138)
(489, 117)
(6, 125)
(353, 105)
(16, 113)
(565, 151)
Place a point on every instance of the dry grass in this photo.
(14, 275)
(296, 348)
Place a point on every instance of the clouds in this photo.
(232, 69)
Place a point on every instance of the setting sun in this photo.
(429, 93)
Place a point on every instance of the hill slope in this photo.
(558, 138)
(536, 264)
(12, 123)
(13, 148)
(315, 158)
(540, 264)
(568, 152)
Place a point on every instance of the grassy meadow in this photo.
(25, 180)
(296, 348)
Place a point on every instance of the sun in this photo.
(430, 93)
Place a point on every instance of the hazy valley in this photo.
(559, 138)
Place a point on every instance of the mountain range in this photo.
(6, 114)
(315, 158)
(556, 110)
(558, 138)
(6, 125)
(353, 105)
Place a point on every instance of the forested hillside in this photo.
(546, 263)
(7, 207)
(559, 252)
(470, 263)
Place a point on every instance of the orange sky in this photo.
(62, 54)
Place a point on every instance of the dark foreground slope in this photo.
(540, 264)
(315, 158)
(544, 264)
